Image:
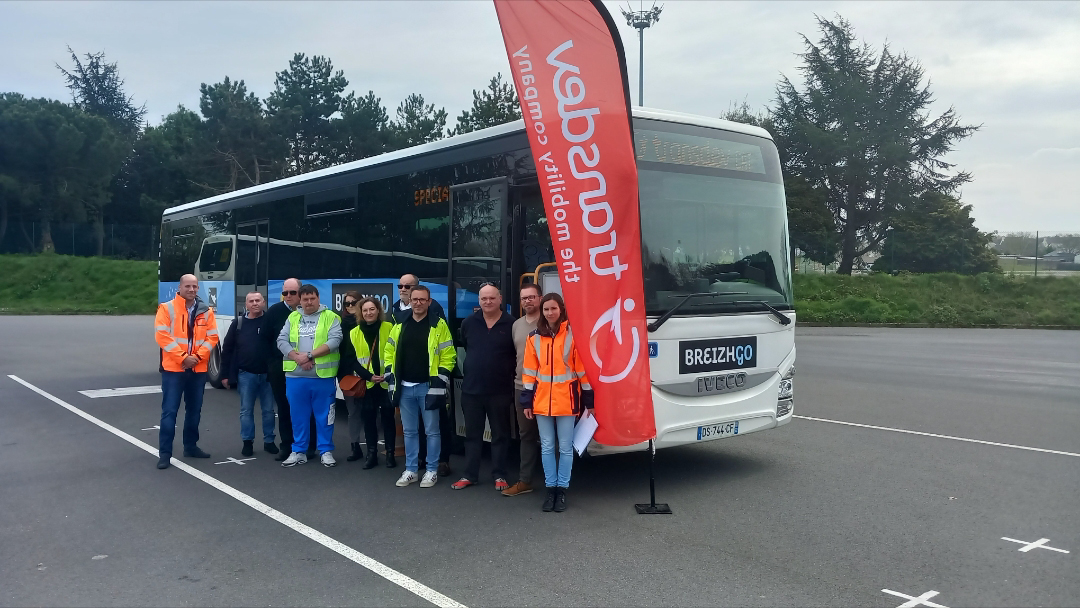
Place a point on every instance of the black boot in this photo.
(549, 502)
(560, 500)
(248, 449)
(357, 453)
(391, 460)
(163, 462)
(284, 455)
(372, 459)
(270, 448)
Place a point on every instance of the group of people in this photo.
(294, 353)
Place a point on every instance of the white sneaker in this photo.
(429, 479)
(328, 459)
(294, 459)
(406, 478)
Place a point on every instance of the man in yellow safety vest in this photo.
(309, 341)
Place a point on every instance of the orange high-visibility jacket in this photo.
(554, 374)
(171, 325)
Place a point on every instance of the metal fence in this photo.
(126, 241)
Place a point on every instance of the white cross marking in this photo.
(1039, 544)
(921, 600)
(232, 460)
(153, 428)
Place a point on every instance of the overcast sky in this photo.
(1013, 67)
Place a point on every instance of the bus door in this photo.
(252, 260)
(479, 223)
(531, 255)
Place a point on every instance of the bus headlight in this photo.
(786, 384)
(784, 401)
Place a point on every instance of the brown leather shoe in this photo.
(518, 488)
(444, 469)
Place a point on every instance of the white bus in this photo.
(467, 210)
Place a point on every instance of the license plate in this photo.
(712, 431)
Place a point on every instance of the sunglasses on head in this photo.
(400, 286)
(291, 292)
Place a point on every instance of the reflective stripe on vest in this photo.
(326, 365)
(538, 344)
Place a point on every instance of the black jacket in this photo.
(244, 348)
(491, 357)
(346, 350)
(276, 317)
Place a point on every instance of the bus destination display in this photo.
(695, 151)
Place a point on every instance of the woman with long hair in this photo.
(368, 339)
(555, 392)
(349, 308)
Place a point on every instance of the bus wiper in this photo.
(655, 325)
(784, 320)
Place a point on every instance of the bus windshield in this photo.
(713, 220)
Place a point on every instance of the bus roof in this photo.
(461, 140)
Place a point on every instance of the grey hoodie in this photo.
(306, 339)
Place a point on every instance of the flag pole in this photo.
(652, 508)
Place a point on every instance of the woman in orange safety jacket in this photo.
(555, 392)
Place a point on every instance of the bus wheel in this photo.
(214, 373)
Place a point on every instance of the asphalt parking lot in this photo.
(837, 508)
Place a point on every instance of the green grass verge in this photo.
(64, 284)
(60, 284)
(944, 300)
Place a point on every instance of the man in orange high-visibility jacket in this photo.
(187, 333)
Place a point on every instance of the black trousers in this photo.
(375, 404)
(285, 429)
(498, 409)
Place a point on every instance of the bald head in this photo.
(290, 293)
(188, 287)
(491, 301)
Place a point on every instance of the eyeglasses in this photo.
(349, 303)
(527, 298)
(420, 300)
(291, 292)
(400, 286)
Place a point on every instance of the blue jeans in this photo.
(188, 385)
(412, 409)
(309, 396)
(556, 477)
(252, 386)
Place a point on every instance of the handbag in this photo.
(352, 386)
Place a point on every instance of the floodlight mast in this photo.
(640, 20)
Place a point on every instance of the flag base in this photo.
(653, 509)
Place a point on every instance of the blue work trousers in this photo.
(251, 387)
(412, 410)
(189, 386)
(549, 426)
(309, 396)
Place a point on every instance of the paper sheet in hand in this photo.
(583, 432)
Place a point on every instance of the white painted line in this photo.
(885, 428)
(231, 460)
(388, 573)
(121, 392)
(1039, 544)
(98, 393)
(922, 600)
(152, 428)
